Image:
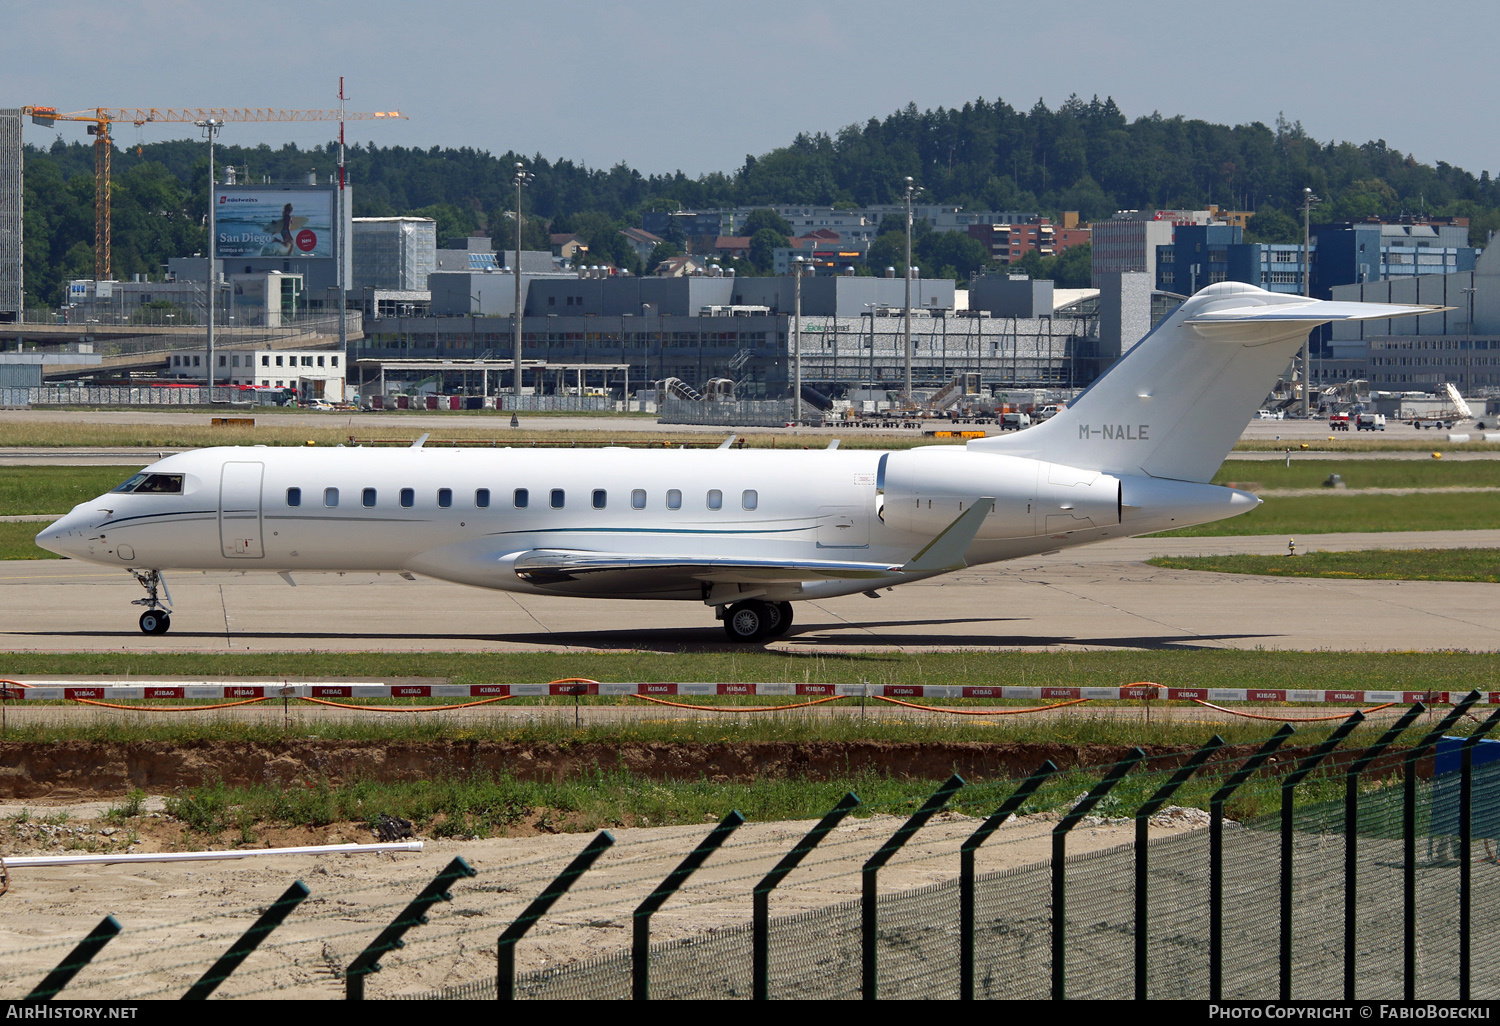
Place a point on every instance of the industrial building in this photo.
(312, 372)
(394, 254)
(1460, 345)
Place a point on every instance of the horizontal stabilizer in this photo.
(1313, 311)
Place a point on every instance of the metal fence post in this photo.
(1288, 786)
(1216, 856)
(76, 959)
(640, 945)
(1059, 873)
(505, 952)
(966, 873)
(869, 963)
(1409, 841)
(1466, 838)
(1351, 834)
(1142, 846)
(248, 942)
(761, 939)
(414, 914)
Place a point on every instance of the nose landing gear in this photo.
(157, 619)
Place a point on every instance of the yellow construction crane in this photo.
(101, 118)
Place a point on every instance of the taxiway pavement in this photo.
(1096, 597)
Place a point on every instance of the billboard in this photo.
(274, 223)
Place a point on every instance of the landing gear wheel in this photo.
(781, 618)
(746, 621)
(155, 621)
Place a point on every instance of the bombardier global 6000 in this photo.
(747, 532)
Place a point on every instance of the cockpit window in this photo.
(154, 484)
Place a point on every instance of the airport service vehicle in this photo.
(1369, 422)
(1338, 422)
(1268, 415)
(1047, 412)
(1014, 421)
(748, 532)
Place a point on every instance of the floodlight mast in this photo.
(211, 128)
(523, 178)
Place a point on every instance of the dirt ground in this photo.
(179, 917)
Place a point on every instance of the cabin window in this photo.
(521, 498)
(638, 499)
(330, 496)
(674, 498)
(368, 498)
(600, 498)
(558, 498)
(750, 499)
(445, 498)
(408, 497)
(294, 496)
(481, 498)
(715, 499)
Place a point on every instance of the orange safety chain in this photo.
(168, 708)
(1284, 719)
(405, 709)
(974, 712)
(740, 708)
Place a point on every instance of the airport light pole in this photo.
(798, 264)
(911, 189)
(1308, 199)
(523, 178)
(1465, 380)
(211, 127)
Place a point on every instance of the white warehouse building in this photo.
(312, 372)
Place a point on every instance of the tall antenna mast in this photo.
(343, 245)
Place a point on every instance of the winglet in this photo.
(422, 440)
(728, 443)
(946, 551)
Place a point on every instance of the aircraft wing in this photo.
(561, 566)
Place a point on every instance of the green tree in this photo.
(763, 247)
(759, 220)
(1271, 225)
(663, 251)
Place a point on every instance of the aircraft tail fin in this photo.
(1177, 402)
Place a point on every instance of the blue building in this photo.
(1200, 255)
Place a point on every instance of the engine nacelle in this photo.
(925, 491)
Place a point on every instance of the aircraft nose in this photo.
(64, 537)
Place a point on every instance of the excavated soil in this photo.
(76, 770)
(66, 771)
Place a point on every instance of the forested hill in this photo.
(1083, 156)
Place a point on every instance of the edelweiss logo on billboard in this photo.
(275, 223)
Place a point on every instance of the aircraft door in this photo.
(843, 527)
(240, 524)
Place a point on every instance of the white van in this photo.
(1014, 421)
(1369, 422)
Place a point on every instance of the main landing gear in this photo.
(157, 619)
(754, 619)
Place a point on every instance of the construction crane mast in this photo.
(101, 118)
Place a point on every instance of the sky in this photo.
(664, 87)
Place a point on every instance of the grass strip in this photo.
(1379, 564)
(484, 806)
(1176, 667)
(1273, 474)
(17, 541)
(1340, 513)
(25, 490)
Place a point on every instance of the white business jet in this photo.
(748, 532)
